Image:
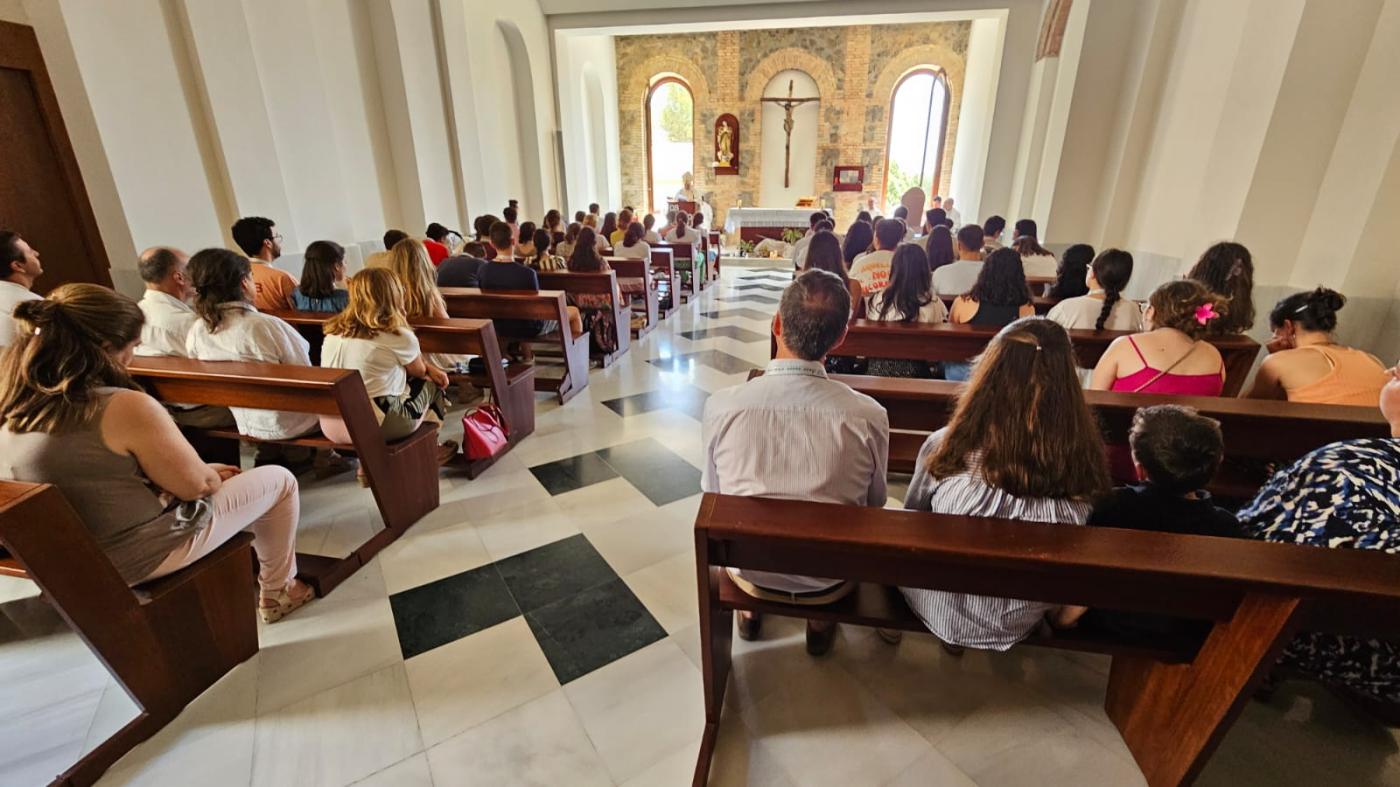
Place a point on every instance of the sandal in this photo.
(446, 452)
(275, 607)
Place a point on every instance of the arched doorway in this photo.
(918, 132)
(670, 125)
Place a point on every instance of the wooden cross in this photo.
(788, 104)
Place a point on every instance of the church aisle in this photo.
(540, 628)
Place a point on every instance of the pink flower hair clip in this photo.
(1205, 313)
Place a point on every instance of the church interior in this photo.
(622, 506)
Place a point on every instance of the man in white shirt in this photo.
(799, 249)
(795, 434)
(958, 277)
(19, 268)
(952, 212)
(168, 320)
(872, 269)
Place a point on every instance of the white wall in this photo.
(802, 179)
(586, 72)
(984, 53)
(338, 119)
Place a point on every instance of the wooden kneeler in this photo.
(165, 641)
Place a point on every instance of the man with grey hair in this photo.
(795, 434)
(165, 303)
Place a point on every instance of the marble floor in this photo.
(540, 628)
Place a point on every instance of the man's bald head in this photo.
(163, 268)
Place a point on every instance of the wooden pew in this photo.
(530, 305)
(164, 641)
(403, 475)
(513, 385)
(716, 243)
(946, 342)
(604, 283)
(1254, 430)
(685, 252)
(663, 267)
(1172, 704)
(1042, 304)
(647, 304)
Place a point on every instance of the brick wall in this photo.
(855, 68)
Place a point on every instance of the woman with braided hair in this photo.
(1104, 306)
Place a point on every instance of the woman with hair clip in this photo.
(71, 416)
(1072, 275)
(1307, 365)
(908, 298)
(1021, 445)
(372, 336)
(1227, 269)
(1172, 356)
(595, 308)
(321, 272)
(229, 328)
(1103, 307)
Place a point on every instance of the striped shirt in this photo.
(983, 622)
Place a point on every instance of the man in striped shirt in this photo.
(795, 434)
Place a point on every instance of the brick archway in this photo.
(882, 94)
(790, 59)
(631, 113)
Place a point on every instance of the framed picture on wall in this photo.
(848, 179)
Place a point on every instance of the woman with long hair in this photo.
(632, 246)
(1306, 364)
(71, 416)
(860, 239)
(565, 247)
(1072, 276)
(999, 296)
(322, 279)
(605, 232)
(824, 253)
(596, 308)
(1021, 445)
(1035, 258)
(939, 247)
(421, 296)
(1172, 356)
(682, 233)
(1104, 306)
(1227, 269)
(908, 298)
(372, 336)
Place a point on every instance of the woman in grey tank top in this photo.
(71, 416)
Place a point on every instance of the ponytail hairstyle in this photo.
(218, 276)
(63, 352)
(1024, 417)
(1312, 311)
(1112, 269)
(1227, 269)
(1187, 306)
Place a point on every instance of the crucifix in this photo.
(788, 104)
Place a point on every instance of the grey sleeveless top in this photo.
(107, 490)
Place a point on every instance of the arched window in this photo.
(670, 114)
(918, 130)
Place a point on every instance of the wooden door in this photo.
(41, 191)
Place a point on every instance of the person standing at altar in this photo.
(872, 270)
(799, 249)
(687, 192)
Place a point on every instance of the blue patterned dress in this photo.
(1344, 496)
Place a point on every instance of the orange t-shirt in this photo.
(274, 287)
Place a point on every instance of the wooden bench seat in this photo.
(683, 257)
(545, 305)
(947, 342)
(403, 475)
(513, 385)
(1171, 715)
(164, 641)
(602, 283)
(647, 303)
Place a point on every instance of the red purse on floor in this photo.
(484, 432)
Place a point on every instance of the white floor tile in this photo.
(464, 683)
(338, 736)
(539, 743)
(412, 772)
(640, 709)
(667, 589)
(421, 556)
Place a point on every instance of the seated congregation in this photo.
(84, 407)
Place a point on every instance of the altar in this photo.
(753, 224)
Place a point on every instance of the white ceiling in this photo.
(635, 17)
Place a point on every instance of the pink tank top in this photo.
(1142, 381)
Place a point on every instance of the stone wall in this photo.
(855, 68)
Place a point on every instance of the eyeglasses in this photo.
(277, 236)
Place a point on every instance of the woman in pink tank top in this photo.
(1172, 357)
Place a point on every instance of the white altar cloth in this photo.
(738, 218)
